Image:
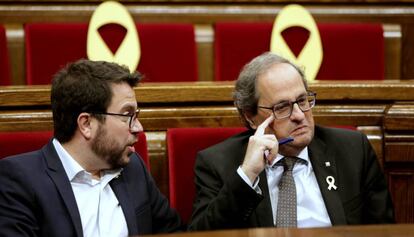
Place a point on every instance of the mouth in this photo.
(299, 130)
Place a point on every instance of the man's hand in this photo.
(255, 160)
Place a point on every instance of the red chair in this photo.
(168, 51)
(5, 79)
(13, 143)
(141, 148)
(182, 146)
(351, 51)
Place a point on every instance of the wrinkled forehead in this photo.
(280, 81)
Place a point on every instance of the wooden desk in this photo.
(341, 231)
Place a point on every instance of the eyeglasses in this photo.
(131, 117)
(284, 109)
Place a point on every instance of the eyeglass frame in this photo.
(131, 116)
(292, 103)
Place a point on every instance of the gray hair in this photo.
(245, 95)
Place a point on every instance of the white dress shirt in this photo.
(311, 209)
(99, 209)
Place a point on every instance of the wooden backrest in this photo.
(5, 78)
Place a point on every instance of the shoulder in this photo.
(338, 135)
(22, 163)
(231, 144)
(225, 155)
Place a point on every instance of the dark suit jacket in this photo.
(36, 198)
(224, 200)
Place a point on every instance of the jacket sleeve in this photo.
(221, 202)
(17, 217)
(378, 208)
(164, 218)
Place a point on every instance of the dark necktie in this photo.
(286, 205)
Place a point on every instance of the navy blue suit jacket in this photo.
(36, 198)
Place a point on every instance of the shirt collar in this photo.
(71, 166)
(302, 155)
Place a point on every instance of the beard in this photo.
(109, 150)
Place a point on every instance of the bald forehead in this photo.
(280, 71)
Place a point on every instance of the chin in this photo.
(302, 140)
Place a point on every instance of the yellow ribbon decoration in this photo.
(310, 58)
(129, 51)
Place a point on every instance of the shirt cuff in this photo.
(254, 185)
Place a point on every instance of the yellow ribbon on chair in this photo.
(129, 51)
(310, 58)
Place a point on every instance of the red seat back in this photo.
(5, 78)
(350, 51)
(13, 143)
(141, 148)
(182, 146)
(168, 51)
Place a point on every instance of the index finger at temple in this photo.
(262, 127)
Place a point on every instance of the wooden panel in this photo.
(338, 92)
(401, 230)
(400, 116)
(399, 151)
(206, 13)
(204, 39)
(402, 186)
(399, 147)
(392, 50)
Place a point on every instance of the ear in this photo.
(250, 121)
(84, 125)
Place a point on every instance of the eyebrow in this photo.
(288, 101)
(129, 107)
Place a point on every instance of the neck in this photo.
(85, 158)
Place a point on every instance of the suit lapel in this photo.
(264, 210)
(323, 162)
(119, 187)
(58, 174)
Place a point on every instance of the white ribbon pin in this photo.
(331, 183)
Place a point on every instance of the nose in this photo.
(137, 126)
(297, 113)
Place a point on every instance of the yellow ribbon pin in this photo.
(129, 52)
(310, 58)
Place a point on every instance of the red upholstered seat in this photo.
(182, 146)
(141, 148)
(5, 78)
(13, 143)
(168, 51)
(351, 51)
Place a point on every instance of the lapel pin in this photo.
(327, 164)
(331, 183)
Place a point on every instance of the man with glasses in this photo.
(322, 177)
(88, 180)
